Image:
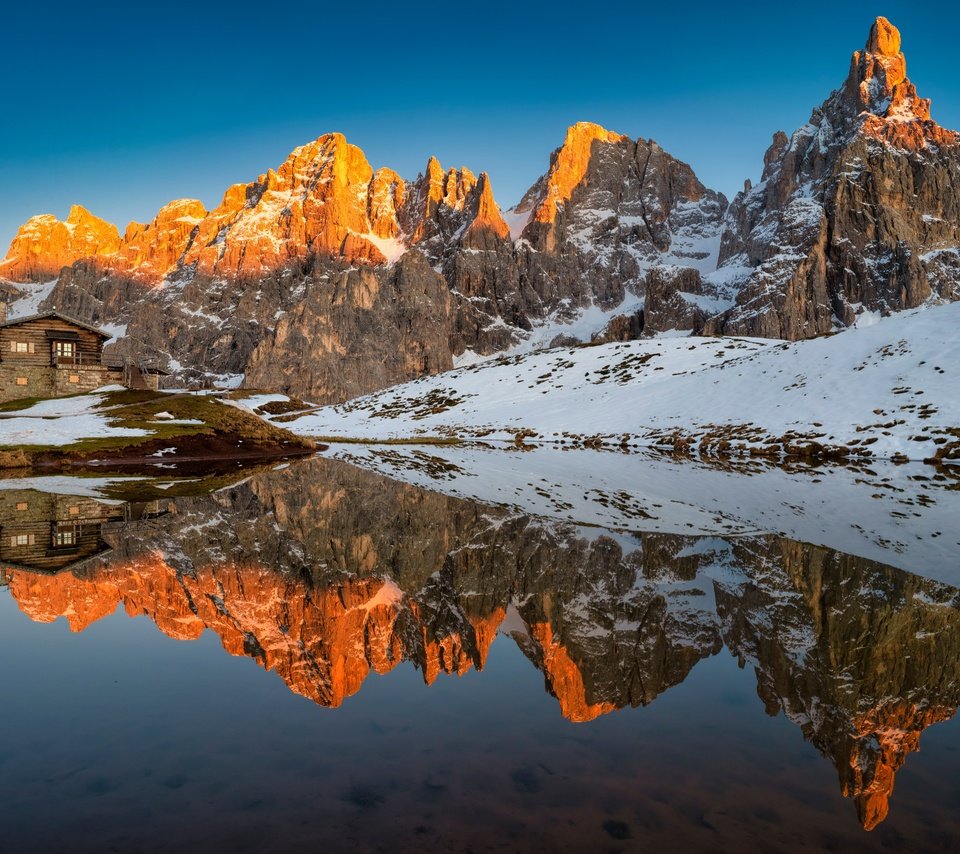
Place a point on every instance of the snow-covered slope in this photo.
(886, 390)
(25, 299)
(62, 421)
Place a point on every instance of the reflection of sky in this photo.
(122, 735)
(121, 108)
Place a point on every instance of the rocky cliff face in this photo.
(856, 212)
(326, 574)
(356, 329)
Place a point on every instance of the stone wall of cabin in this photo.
(21, 381)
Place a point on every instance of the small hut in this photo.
(53, 355)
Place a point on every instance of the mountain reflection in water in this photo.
(322, 572)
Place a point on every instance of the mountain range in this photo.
(328, 279)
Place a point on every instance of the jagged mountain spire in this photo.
(877, 97)
(856, 211)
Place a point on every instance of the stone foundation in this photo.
(20, 381)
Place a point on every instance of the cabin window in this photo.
(74, 511)
(22, 505)
(74, 378)
(65, 537)
(22, 540)
(23, 347)
(64, 349)
(21, 380)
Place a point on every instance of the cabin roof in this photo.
(57, 315)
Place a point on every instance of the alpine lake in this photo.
(409, 649)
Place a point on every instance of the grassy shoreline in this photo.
(174, 425)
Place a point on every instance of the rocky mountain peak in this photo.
(879, 100)
(319, 201)
(568, 166)
(486, 223)
(45, 244)
(444, 205)
(855, 213)
(884, 38)
(879, 68)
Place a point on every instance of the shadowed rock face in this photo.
(358, 329)
(324, 573)
(857, 211)
(856, 654)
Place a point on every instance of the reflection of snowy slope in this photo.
(893, 514)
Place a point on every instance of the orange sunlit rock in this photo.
(45, 244)
(323, 642)
(891, 109)
(884, 38)
(323, 201)
(565, 678)
(150, 252)
(311, 203)
(455, 653)
(569, 165)
(387, 194)
(893, 731)
(486, 222)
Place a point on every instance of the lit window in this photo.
(22, 505)
(21, 380)
(74, 511)
(74, 378)
(23, 347)
(67, 537)
(21, 540)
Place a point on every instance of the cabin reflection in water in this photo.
(50, 533)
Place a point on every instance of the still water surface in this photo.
(320, 655)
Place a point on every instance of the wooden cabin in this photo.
(52, 355)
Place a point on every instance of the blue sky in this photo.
(122, 107)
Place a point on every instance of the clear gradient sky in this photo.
(122, 107)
